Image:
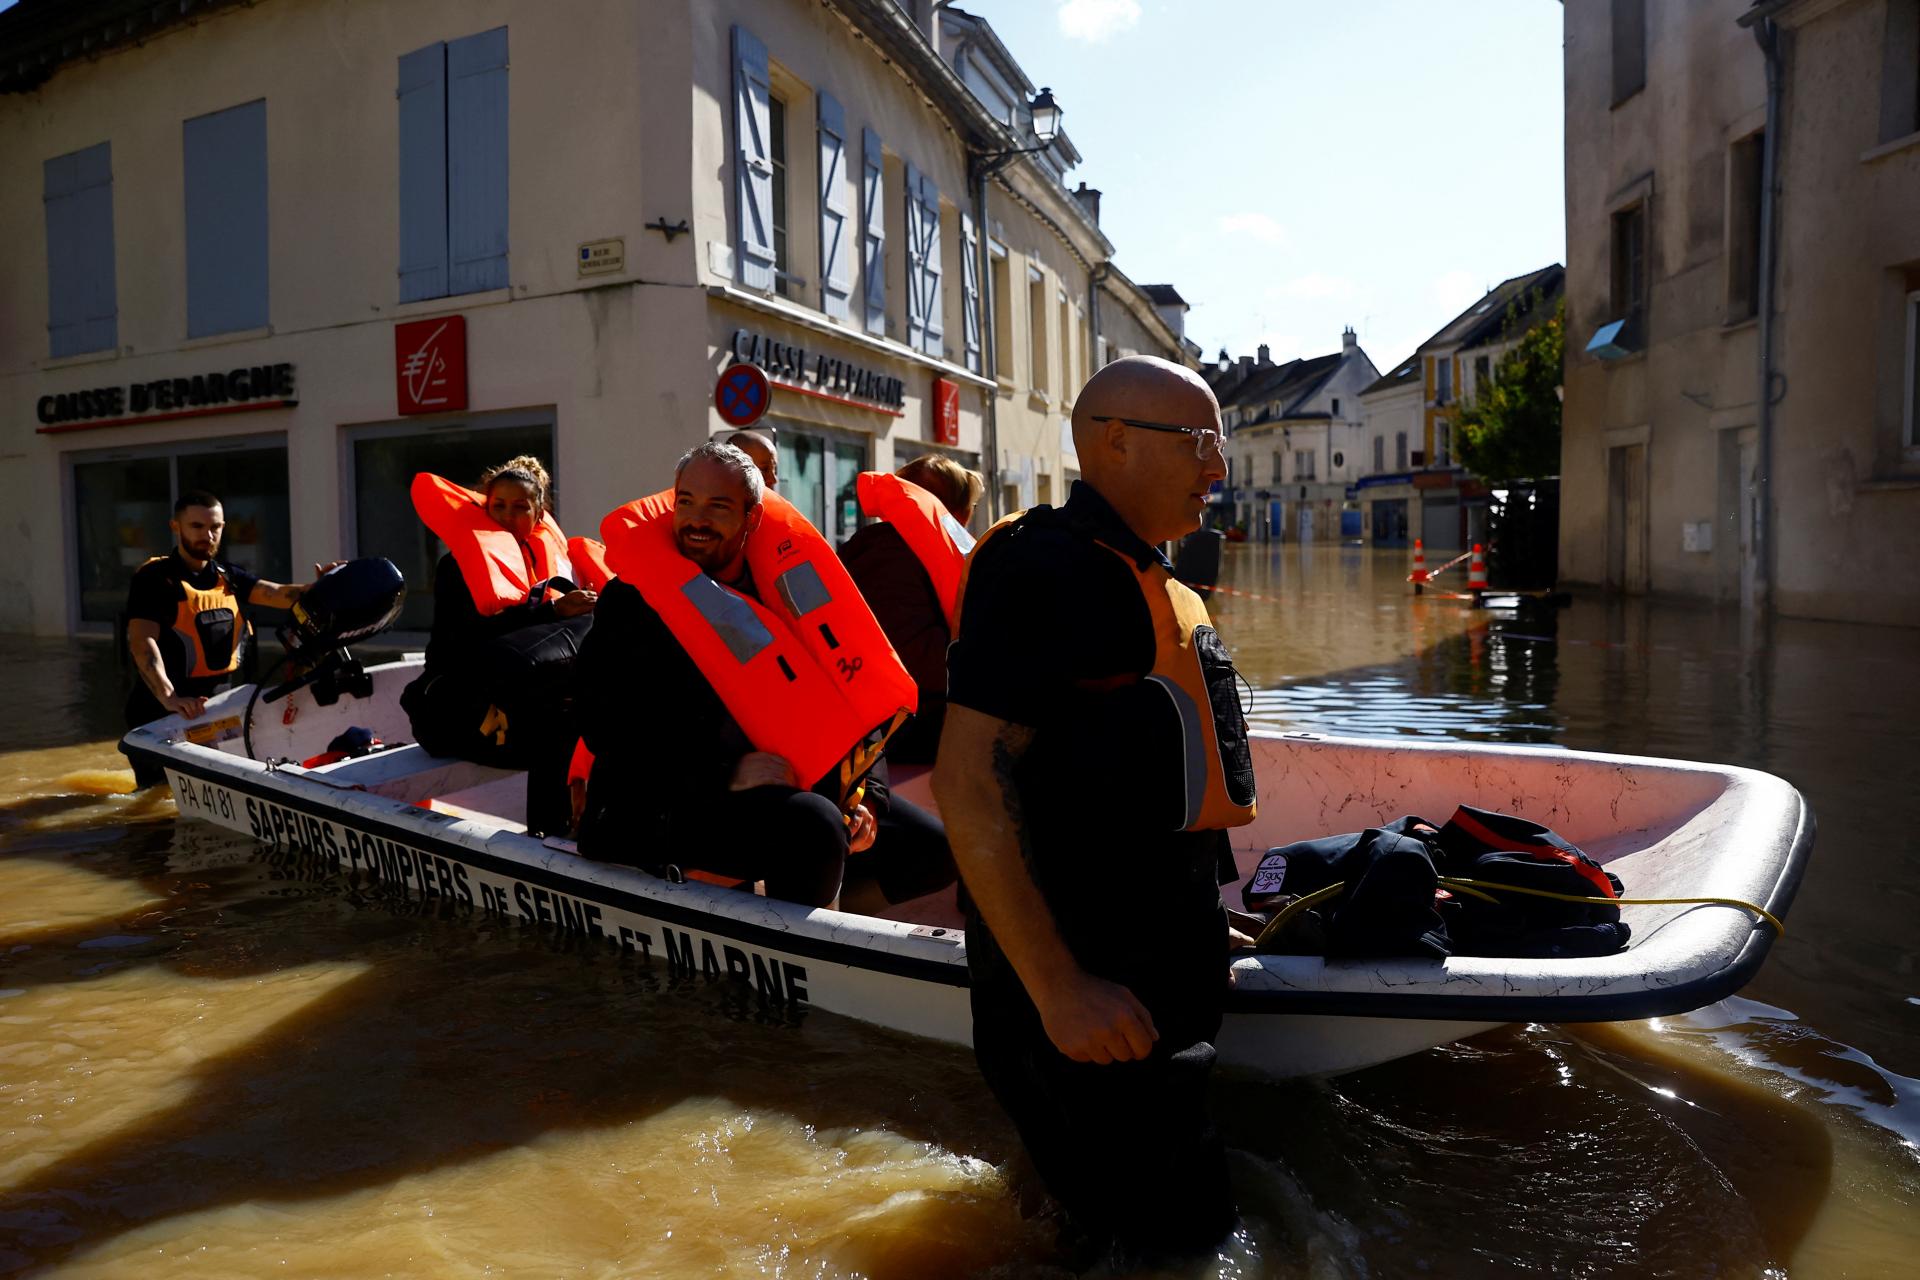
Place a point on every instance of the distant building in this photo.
(1676, 477)
(1292, 433)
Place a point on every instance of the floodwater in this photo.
(213, 1064)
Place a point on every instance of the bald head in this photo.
(1156, 475)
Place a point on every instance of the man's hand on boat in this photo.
(184, 706)
(761, 769)
(1092, 1020)
(575, 603)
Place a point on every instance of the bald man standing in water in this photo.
(1093, 756)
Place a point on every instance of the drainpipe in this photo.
(1767, 34)
(989, 350)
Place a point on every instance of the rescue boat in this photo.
(404, 823)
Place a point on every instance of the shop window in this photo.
(818, 474)
(453, 167)
(225, 172)
(78, 198)
(123, 499)
(384, 461)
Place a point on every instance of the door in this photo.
(1627, 519)
(1440, 523)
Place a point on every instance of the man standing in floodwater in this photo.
(1093, 757)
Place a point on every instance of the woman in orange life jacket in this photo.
(907, 564)
(497, 684)
(677, 781)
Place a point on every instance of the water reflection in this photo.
(214, 1061)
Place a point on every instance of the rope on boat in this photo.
(1480, 888)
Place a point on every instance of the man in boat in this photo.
(1093, 757)
(908, 564)
(187, 628)
(676, 781)
(758, 445)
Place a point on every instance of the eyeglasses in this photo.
(1205, 439)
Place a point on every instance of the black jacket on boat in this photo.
(901, 595)
(662, 740)
(1390, 907)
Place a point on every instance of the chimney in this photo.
(1266, 355)
(1089, 198)
(1349, 340)
(1246, 364)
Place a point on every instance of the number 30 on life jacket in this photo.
(808, 676)
(938, 541)
(500, 570)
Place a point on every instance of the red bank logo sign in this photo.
(946, 411)
(430, 365)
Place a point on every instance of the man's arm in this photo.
(143, 642)
(1088, 1018)
(283, 595)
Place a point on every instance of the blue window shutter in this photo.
(477, 162)
(970, 290)
(916, 264)
(752, 161)
(873, 237)
(226, 179)
(423, 174)
(78, 199)
(932, 309)
(836, 254)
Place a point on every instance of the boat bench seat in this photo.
(408, 774)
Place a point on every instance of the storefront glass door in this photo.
(818, 474)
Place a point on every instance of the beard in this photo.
(199, 550)
(709, 553)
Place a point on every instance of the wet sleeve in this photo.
(1010, 660)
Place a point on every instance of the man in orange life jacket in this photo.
(186, 628)
(675, 780)
(1096, 938)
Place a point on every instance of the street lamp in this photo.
(1045, 114)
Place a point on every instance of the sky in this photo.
(1297, 166)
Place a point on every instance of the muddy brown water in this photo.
(213, 1062)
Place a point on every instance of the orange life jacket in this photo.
(589, 557)
(808, 675)
(938, 541)
(211, 630)
(500, 570)
(1192, 668)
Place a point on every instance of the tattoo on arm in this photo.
(1009, 746)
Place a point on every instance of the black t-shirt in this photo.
(1055, 635)
(157, 590)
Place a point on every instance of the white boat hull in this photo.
(1667, 828)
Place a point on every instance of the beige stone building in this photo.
(296, 250)
(1693, 281)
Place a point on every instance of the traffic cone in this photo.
(1419, 575)
(1477, 572)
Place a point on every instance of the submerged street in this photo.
(216, 1062)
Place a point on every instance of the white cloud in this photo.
(1097, 20)
(1315, 285)
(1256, 225)
(1456, 289)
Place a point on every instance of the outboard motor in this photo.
(358, 599)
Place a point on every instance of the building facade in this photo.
(523, 228)
(1693, 281)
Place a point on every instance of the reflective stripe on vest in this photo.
(938, 541)
(499, 569)
(808, 674)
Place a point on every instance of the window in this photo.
(1442, 442)
(1067, 376)
(777, 151)
(123, 498)
(1482, 374)
(1038, 325)
(1399, 451)
(1630, 261)
(1380, 454)
(1900, 71)
(926, 322)
(1910, 436)
(78, 197)
(818, 474)
(1303, 464)
(1629, 48)
(226, 188)
(1276, 468)
(453, 167)
(1002, 312)
(1336, 406)
(383, 460)
(970, 299)
(1443, 380)
(1743, 228)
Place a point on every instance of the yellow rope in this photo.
(1479, 888)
